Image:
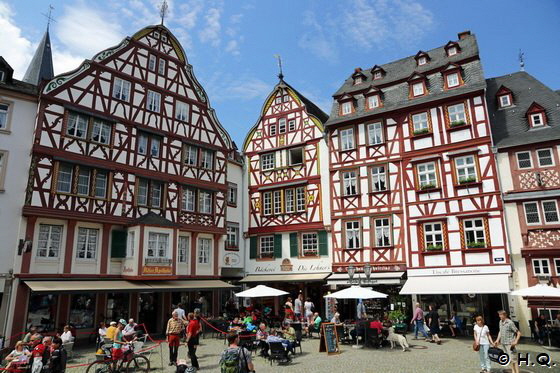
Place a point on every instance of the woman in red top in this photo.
(193, 329)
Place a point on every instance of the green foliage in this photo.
(470, 179)
(476, 245)
(428, 186)
(457, 123)
(396, 315)
(431, 247)
(421, 131)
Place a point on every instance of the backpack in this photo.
(183, 368)
(230, 361)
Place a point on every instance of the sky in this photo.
(231, 44)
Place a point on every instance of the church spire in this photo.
(41, 66)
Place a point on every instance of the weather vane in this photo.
(49, 16)
(163, 10)
(521, 60)
(279, 58)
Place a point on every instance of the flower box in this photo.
(457, 123)
(468, 180)
(421, 131)
(267, 255)
(428, 186)
(434, 248)
(476, 245)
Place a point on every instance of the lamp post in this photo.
(367, 271)
(351, 273)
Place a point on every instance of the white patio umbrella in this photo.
(356, 292)
(539, 290)
(261, 291)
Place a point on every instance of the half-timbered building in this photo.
(525, 124)
(288, 212)
(414, 181)
(127, 187)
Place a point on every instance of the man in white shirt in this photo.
(298, 306)
(130, 329)
(180, 312)
(67, 336)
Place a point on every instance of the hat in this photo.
(122, 321)
(113, 323)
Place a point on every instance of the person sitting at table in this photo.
(18, 356)
(540, 327)
(290, 335)
(556, 321)
(336, 318)
(358, 331)
(262, 335)
(376, 324)
(235, 324)
(315, 326)
(455, 324)
(273, 337)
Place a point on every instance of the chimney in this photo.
(358, 70)
(464, 34)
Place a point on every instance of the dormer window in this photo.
(422, 61)
(452, 80)
(358, 76)
(373, 101)
(536, 115)
(377, 72)
(536, 120)
(358, 80)
(417, 89)
(346, 108)
(505, 100)
(452, 51)
(2, 76)
(377, 75)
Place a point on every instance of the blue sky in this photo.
(231, 44)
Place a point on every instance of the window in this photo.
(272, 130)
(541, 267)
(466, 169)
(309, 244)
(191, 155)
(545, 157)
(149, 193)
(267, 203)
(505, 100)
(64, 178)
(295, 156)
(121, 89)
(164, 37)
(77, 125)
(418, 89)
(532, 213)
(183, 249)
(3, 162)
(149, 141)
(378, 179)
(207, 159)
(300, 199)
(557, 265)
(4, 116)
(292, 125)
(232, 239)
(433, 236)
(524, 160)
(282, 125)
(266, 246)
(181, 111)
(267, 161)
(156, 35)
(353, 234)
(289, 197)
(286, 98)
(375, 133)
(452, 80)
(158, 244)
(422, 61)
(205, 202)
(474, 233)
(382, 232)
(537, 120)
(232, 194)
(188, 199)
(377, 75)
(420, 123)
(83, 181)
(347, 139)
(155, 143)
(550, 211)
(277, 202)
(87, 243)
(350, 183)
(427, 175)
(154, 100)
(101, 132)
(358, 80)
(346, 108)
(152, 63)
(278, 100)
(131, 243)
(457, 115)
(373, 101)
(451, 51)
(48, 243)
(161, 66)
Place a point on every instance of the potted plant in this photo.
(396, 316)
(431, 247)
(428, 186)
(457, 123)
(421, 131)
(467, 180)
(476, 245)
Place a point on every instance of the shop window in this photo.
(350, 183)
(532, 216)
(545, 157)
(541, 267)
(310, 244)
(427, 176)
(375, 133)
(183, 248)
(524, 160)
(475, 236)
(117, 306)
(48, 243)
(433, 236)
(353, 234)
(82, 310)
(382, 232)
(42, 311)
(266, 246)
(87, 243)
(378, 179)
(347, 139)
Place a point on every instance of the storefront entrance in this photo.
(149, 311)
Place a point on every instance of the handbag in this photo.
(494, 354)
(476, 345)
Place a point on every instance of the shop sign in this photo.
(127, 269)
(231, 259)
(459, 271)
(288, 266)
(157, 270)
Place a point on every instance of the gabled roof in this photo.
(9, 71)
(153, 219)
(15, 85)
(416, 76)
(509, 125)
(452, 43)
(41, 66)
(451, 66)
(420, 54)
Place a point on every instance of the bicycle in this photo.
(135, 363)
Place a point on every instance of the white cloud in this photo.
(231, 87)
(233, 47)
(316, 40)
(212, 29)
(14, 47)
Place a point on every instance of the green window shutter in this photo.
(253, 248)
(323, 243)
(118, 244)
(294, 249)
(278, 246)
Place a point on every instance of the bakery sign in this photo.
(232, 260)
(157, 270)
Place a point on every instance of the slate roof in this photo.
(509, 125)
(41, 66)
(310, 106)
(9, 83)
(151, 218)
(395, 95)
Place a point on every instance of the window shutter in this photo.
(253, 248)
(118, 244)
(278, 246)
(294, 245)
(323, 243)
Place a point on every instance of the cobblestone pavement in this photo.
(452, 356)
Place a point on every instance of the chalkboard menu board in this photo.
(329, 339)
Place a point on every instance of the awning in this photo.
(377, 278)
(123, 285)
(465, 284)
(299, 277)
